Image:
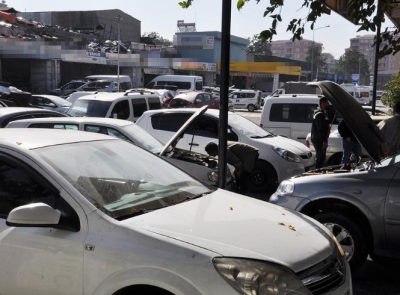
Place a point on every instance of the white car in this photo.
(201, 166)
(280, 158)
(50, 102)
(86, 213)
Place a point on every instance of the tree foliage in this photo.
(392, 94)
(362, 12)
(157, 39)
(354, 62)
(259, 46)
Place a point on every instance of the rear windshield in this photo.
(89, 108)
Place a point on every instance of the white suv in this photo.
(280, 158)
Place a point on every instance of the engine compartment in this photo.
(193, 157)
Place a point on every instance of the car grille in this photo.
(306, 156)
(325, 276)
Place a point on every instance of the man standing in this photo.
(350, 144)
(320, 131)
(240, 155)
(391, 130)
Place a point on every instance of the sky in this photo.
(162, 15)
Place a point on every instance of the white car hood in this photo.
(233, 225)
(283, 143)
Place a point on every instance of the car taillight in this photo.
(307, 143)
(261, 125)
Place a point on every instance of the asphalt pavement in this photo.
(372, 278)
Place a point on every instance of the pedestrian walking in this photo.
(320, 130)
(240, 155)
(391, 130)
(350, 144)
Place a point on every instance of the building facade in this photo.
(297, 50)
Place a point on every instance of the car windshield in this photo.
(247, 127)
(119, 178)
(143, 139)
(390, 161)
(89, 108)
(60, 101)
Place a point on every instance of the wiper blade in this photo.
(265, 136)
(135, 212)
(189, 198)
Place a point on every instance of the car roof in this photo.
(107, 96)
(77, 120)
(37, 138)
(49, 96)
(22, 110)
(182, 110)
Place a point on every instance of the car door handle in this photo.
(195, 144)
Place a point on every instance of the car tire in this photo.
(335, 159)
(354, 242)
(251, 108)
(263, 178)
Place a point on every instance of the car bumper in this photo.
(286, 170)
(287, 201)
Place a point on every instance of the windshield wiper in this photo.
(189, 198)
(136, 213)
(265, 136)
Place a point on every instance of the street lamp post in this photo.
(312, 51)
(119, 38)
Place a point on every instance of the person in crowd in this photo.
(391, 130)
(350, 145)
(240, 155)
(320, 130)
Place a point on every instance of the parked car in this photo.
(126, 106)
(99, 86)
(201, 166)
(246, 99)
(10, 114)
(51, 102)
(67, 88)
(280, 158)
(198, 100)
(142, 226)
(359, 206)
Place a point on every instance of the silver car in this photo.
(361, 207)
(51, 102)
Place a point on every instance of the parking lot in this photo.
(372, 279)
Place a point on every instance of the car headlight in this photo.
(287, 155)
(251, 277)
(286, 187)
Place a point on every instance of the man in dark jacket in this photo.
(350, 144)
(320, 130)
(240, 155)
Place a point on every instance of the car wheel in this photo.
(336, 159)
(251, 108)
(349, 236)
(263, 178)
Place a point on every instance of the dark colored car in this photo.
(18, 113)
(68, 88)
(194, 100)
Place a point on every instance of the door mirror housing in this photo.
(34, 215)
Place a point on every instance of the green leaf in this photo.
(239, 4)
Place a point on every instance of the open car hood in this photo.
(366, 131)
(179, 134)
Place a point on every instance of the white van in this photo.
(363, 94)
(125, 82)
(246, 99)
(183, 83)
(290, 115)
(127, 106)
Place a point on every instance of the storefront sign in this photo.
(263, 67)
(155, 71)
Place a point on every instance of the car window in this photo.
(279, 112)
(199, 98)
(199, 85)
(169, 122)
(106, 130)
(42, 101)
(68, 86)
(121, 110)
(55, 126)
(139, 106)
(123, 86)
(154, 103)
(206, 127)
(150, 85)
(89, 108)
(302, 113)
(18, 188)
(207, 97)
(179, 85)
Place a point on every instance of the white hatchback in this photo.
(85, 213)
(280, 158)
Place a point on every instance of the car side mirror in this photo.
(34, 215)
